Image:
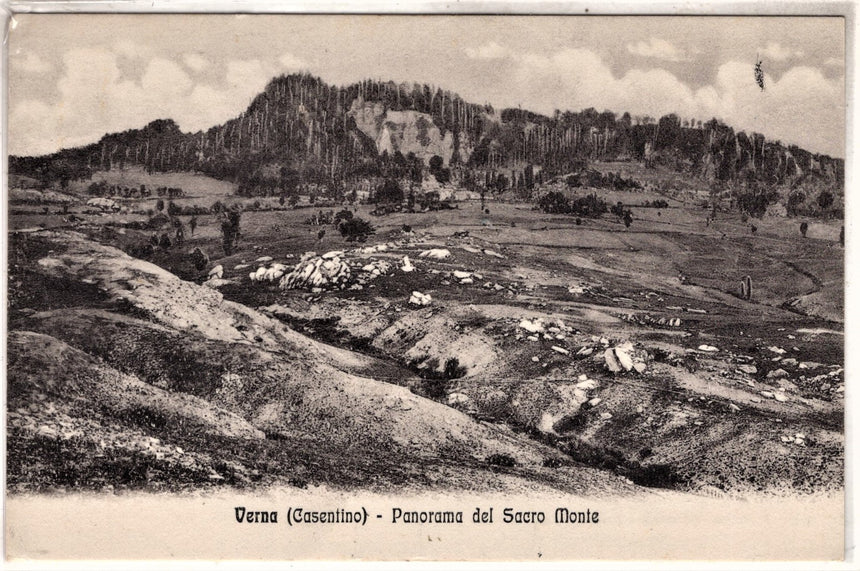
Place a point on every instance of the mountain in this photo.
(300, 130)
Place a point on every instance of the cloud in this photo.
(291, 62)
(34, 64)
(657, 49)
(777, 52)
(131, 50)
(491, 50)
(802, 106)
(95, 98)
(196, 62)
(834, 62)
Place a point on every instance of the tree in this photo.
(803, 228)
(230, 230)
(390, 192)
(825, 199)
(159, 205)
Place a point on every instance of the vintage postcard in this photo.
(425, 287)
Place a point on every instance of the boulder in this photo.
(436, 253)
(317, 273)
(419, 299)
(624, 358)
(612, 361)
(216, 272)
(535, 326)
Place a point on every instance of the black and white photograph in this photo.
(427, 283)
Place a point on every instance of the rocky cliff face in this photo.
(403, 131)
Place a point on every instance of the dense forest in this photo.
(300, 131)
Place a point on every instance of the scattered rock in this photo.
(407, 265)
(748, 369)
(708, 348)
(318, 273)
(420, 299)
(560, 350)
(216, 272)
(587, 385)
(436, 253)
(777, 374)
(535, 326)
(612, 361)
(624, 358)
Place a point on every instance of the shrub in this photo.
(355, 228)
(504, 460)
(590, 206)
(342, 215)
(554, 203)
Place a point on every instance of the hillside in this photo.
(133, 378)
(301, 131)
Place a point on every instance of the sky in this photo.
(74, 77)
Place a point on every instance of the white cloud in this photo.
(131, 50)
(94, 99)
(834, 62)
(777, 52)
(292, 63)
(801, 106)
(491, 50)
(34, 64)
(196, 62)
(657, 49)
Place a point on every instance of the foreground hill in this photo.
(121, 375)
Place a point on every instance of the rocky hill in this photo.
(301, 130)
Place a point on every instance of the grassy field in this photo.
(718, 395)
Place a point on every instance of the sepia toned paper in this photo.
(428, 287)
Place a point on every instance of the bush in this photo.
(590, 206)
(554, 203)
(342, 215)
(356, 228)
(504, 460)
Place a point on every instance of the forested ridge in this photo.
(300, 130)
